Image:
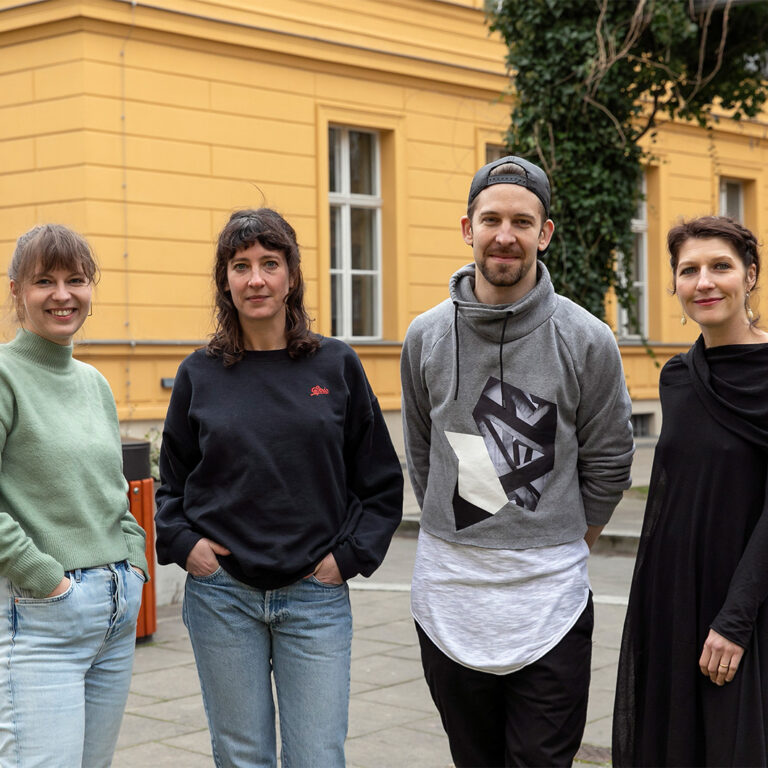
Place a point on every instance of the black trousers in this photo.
(532, 717)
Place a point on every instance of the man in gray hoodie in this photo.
(519, 447)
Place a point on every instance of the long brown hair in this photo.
(268, 228)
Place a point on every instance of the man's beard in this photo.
(505, 275)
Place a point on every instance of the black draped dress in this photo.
(702, 563)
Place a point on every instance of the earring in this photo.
(750, 313)
(90, 309)
(683, 319)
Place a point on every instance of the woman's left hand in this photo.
(327, 571)
(720, 658)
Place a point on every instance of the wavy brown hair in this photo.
(268, 228)
(724, 227)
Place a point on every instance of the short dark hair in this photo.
(48, 247)
(268, 228)
(742, 239)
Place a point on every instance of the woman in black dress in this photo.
(693, 674)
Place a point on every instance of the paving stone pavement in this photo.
(393, 723)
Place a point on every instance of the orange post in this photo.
(141, 497)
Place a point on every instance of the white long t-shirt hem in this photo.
(498, 610)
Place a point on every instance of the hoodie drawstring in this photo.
(456, 345)
(501, 355)
(507, 315)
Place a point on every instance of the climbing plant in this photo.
(590, 79)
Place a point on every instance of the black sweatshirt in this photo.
(280, 461)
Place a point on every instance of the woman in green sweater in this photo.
(72, 561)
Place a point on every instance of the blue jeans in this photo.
(65, 668)
(302, 634)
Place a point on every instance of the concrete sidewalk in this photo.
(393, 722)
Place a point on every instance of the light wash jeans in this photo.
(65, 669)
(303, 634)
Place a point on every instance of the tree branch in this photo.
(610, 115)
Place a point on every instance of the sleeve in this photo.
(374, 482)
(21, 560)
(748, 589)
(604, 430)
(133, 534)
(417, 422)
(135, 540)
(179, 455)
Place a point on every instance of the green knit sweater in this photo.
(63, 497)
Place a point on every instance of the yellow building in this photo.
(144, 125)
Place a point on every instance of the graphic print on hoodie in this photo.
(512, 457)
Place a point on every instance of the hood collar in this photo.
(522, 316)
(499, 323)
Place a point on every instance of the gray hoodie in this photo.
(516, 418)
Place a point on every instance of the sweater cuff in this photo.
(40, 576)
(733, 627)
(346, 561)
(599, 513)
(182, 546)
(137, 556)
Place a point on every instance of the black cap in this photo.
(532, 178)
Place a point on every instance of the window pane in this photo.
(495, 152)
(639, 320)
(337, 305)
(731, 199)
(362, 179)
(336, 254)
(363, 223)
(633, 322)
(638, 253)
(334, 160)
(355, 258)
(363, 307)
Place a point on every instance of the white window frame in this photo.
(345, 201)
(640, 230)
(724, 183)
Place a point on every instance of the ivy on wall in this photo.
(591, 78)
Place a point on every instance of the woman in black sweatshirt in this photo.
(279, 483)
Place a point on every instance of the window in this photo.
(495, 152)
(355, 216)
(732, 198)
(637, 326)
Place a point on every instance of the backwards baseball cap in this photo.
(530, 176)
